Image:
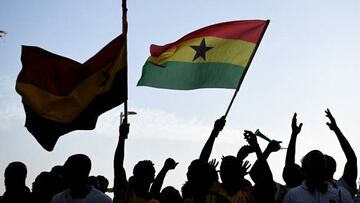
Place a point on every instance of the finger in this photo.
(294, 118)
(300, 126)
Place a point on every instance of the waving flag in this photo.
(212, 57)
(61, 95)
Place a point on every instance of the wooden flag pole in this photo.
(124, 32)
(246, 69)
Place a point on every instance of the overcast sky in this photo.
(308, 61)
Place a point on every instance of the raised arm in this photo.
(155, 189)
(264, 180)
(206, 150)
(350, 169)
(292, 173)
(261, 160)
(119, 171)
(273, 146)
(257, 169)
(290, 154)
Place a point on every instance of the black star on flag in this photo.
(201, 50)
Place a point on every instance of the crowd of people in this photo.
(310, 182)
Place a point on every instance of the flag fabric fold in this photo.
(211, 57)
(61, 95)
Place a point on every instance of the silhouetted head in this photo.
(45, 186)
(331, 167)
(314, 166)
(103, 183)
(59, 173)
(58, 170)
(144, 172)
(77, 168)
(170, 195)
(293, 175)
(94, 182)
(231, 170)
(200, 177)
(15, 175)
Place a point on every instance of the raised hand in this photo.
(295, 128)
(213, 163)
(274, 145)
(219, 124)
(244, 151)
(251, 138)
(170, 164)
(245, 167)
(332, 124)
(124, 130)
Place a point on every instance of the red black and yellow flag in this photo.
(61, 95)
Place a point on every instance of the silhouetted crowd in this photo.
(312, 182)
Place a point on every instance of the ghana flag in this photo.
(61, 95)
(216, 56)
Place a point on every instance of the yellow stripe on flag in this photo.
(230, 51)
(65, 109)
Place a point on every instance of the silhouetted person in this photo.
(15, 188)
(155, 189)
(263, 189)
(200, 180)
(103, 183)
(44, 187)
(256, 171)
(170, 195)
(292, 173)
(58, 172)
(234, 187)
(77, 168)
(315, 188)
(348, 178)
(137, 188)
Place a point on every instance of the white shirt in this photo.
(342, 183)
(300, 194)
(94, 195)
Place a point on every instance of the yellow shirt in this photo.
(127, 195)
(244, 195)
(210, 198)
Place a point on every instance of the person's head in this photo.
(103, 183)
(15, 175)
(314, 166)
(200, 177)
(77, 168)
(331, 167)
(231, 170)
(293, 175)
(59, 173)
(94, 182)
(170, 195)
(144, 172)
(45, 185)
(58, 170)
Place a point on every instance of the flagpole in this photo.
(246, 69)
(124, 32)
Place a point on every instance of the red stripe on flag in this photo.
(60, 75)
(246, 30)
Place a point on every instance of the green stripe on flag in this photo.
(187, 76)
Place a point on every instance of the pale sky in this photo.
(308, 61)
